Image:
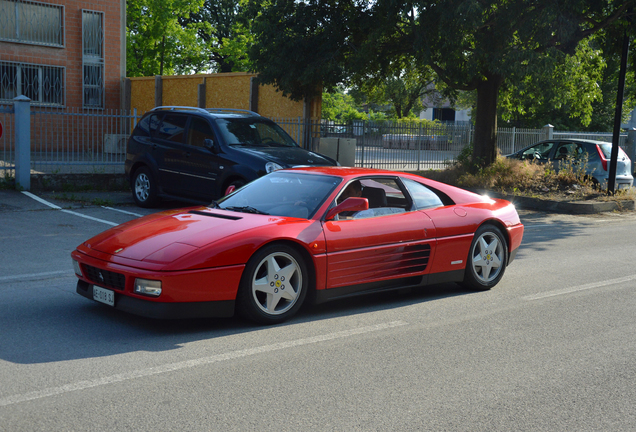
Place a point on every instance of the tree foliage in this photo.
(157, 43)
(340, 107)
(402, 89)
(225, 30)
(182, 36)
(470, 44)
(564, 97)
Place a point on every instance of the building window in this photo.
(44, 85)
(93, 59)
(32, 22)
(444, 114)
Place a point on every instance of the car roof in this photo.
(460, 196)
(212, 112)
(577, 140)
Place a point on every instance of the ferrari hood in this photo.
(289, 156)
(163, 237)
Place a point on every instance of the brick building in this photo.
(63, 53)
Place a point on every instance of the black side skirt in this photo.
(388, 285)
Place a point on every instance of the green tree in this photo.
(157, 43)
(470, 44)
(402, 87)
(224, 28)
(565, 97)
(340, 107)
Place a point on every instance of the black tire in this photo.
(273, 286)
(144, 188)
(487, 259)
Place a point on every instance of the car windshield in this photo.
(254, 132)
(282, 194)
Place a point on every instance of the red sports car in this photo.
(299, 235)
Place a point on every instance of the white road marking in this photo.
(581, 288)
(537, 226)
(35, 275)
(53, 206)
(122, 211)
(83, 385)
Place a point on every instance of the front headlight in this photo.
(272, 166)
(148, 287)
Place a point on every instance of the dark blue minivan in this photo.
(196, 154)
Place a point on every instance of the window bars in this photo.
(44, 85)
(32, 22)
(92, 59)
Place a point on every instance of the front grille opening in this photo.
(105, 278)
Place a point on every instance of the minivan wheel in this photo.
(144, 188)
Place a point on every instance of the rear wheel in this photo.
(274, 285)
(144, 188)
(487, 259)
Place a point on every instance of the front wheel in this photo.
(273, 286)
(487, 259)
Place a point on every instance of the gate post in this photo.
(548, 131)
(22, 109)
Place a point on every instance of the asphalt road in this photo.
(551, 348)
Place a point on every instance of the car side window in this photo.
(384, 195)
(198, 131)
(147, 126)
(172, 127)
(423, 197)
(540, 152)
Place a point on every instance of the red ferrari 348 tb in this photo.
(299, 235)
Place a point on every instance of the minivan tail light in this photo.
(602, 156)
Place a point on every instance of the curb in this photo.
(568, 207)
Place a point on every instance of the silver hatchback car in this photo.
(598, 158)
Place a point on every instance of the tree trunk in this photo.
(485, 141)
(163, 52)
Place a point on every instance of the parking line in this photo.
(580, 288)
(53, 206)
(122, 211)
(29, 276)
(171, 367)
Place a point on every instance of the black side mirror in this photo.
(212, 145)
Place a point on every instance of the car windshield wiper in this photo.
(246, 209)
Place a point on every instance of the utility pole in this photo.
(611, 183)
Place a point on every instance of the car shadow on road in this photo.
(77, 329)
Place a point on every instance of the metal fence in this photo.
(68, 140)
(72, 140)
(77, 140)
(7, 148)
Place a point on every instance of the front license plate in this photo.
(104, 296)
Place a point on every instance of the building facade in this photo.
(63, 53)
